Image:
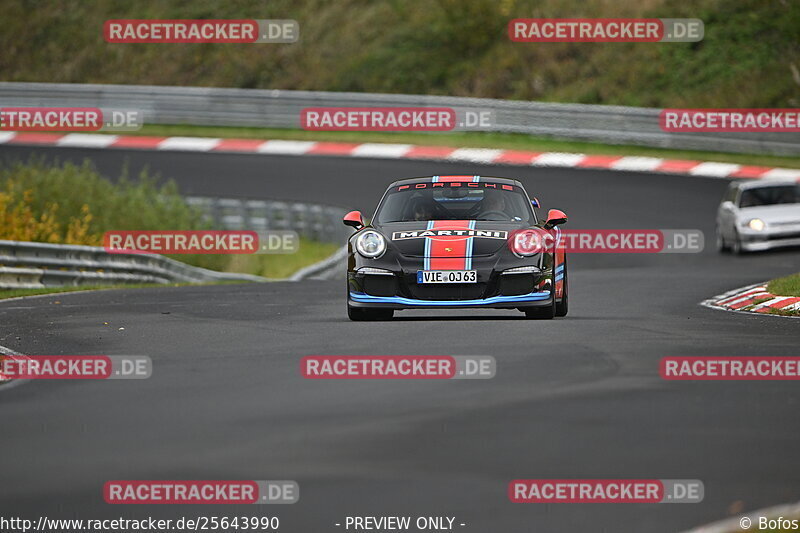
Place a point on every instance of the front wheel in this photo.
(736, 245)
(722, 246)
(546, 312)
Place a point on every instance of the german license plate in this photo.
(447, 276)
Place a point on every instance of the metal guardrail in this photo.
(34, 265)
(322, 223)
(281, 109)
(333, 267)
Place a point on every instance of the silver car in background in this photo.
(759, 215)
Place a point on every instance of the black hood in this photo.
(487, 236)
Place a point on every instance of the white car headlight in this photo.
(371, 244)
(756, 224)
(522, 270)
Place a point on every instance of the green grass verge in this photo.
(508, 141)
(280, 266)
(786, 286)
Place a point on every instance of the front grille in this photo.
(781, 224)
(779, 237)
(380, 285)
(456, 291)
(516, 284)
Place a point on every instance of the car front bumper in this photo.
(758, 241)
(399, 290)
(533, 299)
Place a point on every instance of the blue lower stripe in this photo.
(522, 298)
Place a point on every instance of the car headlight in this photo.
(527, 243)
(375, 271)
(371, 244)
(756, 224)
(523, 270)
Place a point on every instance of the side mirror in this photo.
(353, 219)
(554, 218)
(535, 202)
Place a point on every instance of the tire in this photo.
(546, 312)
(541, 313)
(361, 314)
(722, 246)
(562, 307)
(736, 245)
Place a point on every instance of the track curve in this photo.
(573, 398)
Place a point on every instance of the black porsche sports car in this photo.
(455, 242)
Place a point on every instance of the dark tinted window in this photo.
(778, 194)
(447, 202)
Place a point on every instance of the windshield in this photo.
(783, 194)
(434, 201)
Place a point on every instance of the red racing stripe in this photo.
(449, 252)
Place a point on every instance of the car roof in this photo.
(427, 179)
(765, 182)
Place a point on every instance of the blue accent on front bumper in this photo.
(522, 298)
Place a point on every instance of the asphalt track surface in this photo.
(578, 397)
